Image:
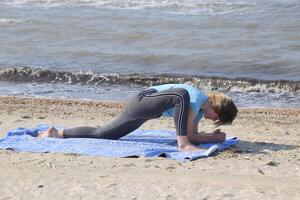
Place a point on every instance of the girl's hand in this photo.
(217, 131)
(219, 136)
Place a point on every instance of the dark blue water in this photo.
(210, 38)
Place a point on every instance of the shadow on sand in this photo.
(260, 147)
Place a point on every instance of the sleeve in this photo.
(197, 99)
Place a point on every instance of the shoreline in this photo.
(54, 100)
(267, 155)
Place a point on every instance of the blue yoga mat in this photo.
(148, 143)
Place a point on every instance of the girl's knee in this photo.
(183, 93)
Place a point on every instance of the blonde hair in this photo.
(223, 106)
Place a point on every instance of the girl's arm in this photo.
(196, 138)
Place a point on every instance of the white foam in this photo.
(8, 21)
(190, 7)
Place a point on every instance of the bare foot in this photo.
(189, 147)
(51, 132)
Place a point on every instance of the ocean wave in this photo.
(181, 7)
(29, 74)
(190, 7)
(9, 21)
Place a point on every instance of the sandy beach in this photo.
(263, 165)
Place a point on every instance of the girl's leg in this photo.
(120, 127)
(146, 105)
(151, 104)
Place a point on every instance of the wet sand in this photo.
(264, 164)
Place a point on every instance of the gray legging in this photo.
(146, 105)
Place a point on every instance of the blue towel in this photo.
(148, 143)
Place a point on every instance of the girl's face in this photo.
(211, 114)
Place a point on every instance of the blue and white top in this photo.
(197, 98)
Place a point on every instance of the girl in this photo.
(185, 103)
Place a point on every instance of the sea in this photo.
(110, 49)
